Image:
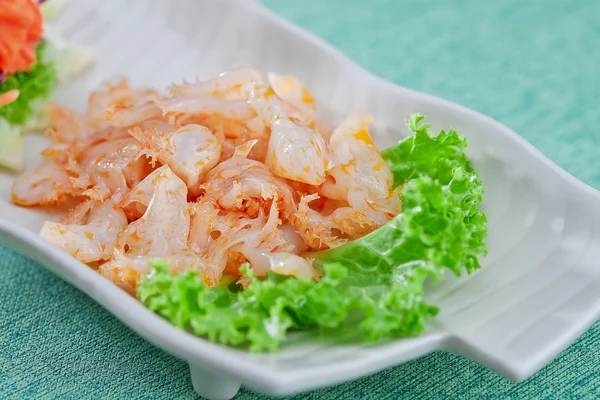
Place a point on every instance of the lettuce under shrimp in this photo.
(379, 277)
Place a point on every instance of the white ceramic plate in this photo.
(540, 285)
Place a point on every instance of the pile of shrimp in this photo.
(209, 176)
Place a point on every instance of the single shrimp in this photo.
(138, 107)
(113, 166)
(191, 109)
(79, 214)
(191, 151)
(227, 85)
(258, 153)
(236, 180)
(70, 154)
(269, 251)
(137, 199)
(316, 229)
(204, 226)
(48, 184)
(296, 151)
(123, 115)
(362, 185)
(92, 241)
(66, 127)
(228, 240)
(161, 232)
(361, 176)
(219, 104)
(121, 105)
(298, 102)
(291, 236)
(284, 263)
(243, 238)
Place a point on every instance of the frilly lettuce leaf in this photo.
(379, 277)
(261, 315)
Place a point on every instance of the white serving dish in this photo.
(540, 285)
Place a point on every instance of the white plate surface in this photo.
(540, 285)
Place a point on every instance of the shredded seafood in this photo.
(209, 176)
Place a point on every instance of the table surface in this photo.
(532, 65)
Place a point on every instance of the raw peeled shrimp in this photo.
(190, 151)
(120, 105)
(222, 238)
(227, 85)
(66, 126)
(191, 109)
(137, 199)
(112, 167)
(289, 264)
(92, 241)
(236, 180)
(79, 160)
(123, 115)
(72, 138)
(48, 184)
(361, 179)
(219, 104)
(243, 175)
(243, 236)
(161, 232)
(298, 101)
(361, 176)
(316, 229)
(291, 236)
(234, 85)
(265, 257)
(206, 224)
(296, 151)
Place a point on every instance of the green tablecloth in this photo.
(531, 64)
